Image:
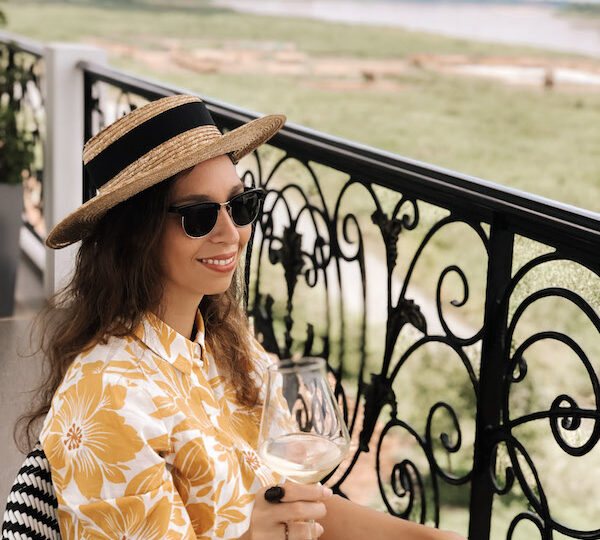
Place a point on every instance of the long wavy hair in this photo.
(116, 280)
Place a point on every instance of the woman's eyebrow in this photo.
(200, 197)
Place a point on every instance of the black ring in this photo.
(274, 494)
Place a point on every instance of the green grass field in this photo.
(542, 141)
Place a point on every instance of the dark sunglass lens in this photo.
(200, 220)
(245, 207)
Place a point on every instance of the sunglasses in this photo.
(199, 219)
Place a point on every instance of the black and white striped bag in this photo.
(31, 508)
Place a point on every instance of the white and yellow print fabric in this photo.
(146, 440)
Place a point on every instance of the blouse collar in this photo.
(170, 345)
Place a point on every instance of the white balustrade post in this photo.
(63, 182)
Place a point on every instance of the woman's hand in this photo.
(449, 535)
(300, 503)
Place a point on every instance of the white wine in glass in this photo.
(303, 435)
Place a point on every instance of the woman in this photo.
(153, 400)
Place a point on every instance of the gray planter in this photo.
(11, 206)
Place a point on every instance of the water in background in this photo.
(534, 23)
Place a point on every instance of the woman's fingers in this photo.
(302, 531)
(299, 503)
(303, 492)
(299, 510)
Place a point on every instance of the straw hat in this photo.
(149, 145)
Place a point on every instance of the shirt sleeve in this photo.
(106, 456)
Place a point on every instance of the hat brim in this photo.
(183, 152)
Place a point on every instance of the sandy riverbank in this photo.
(344, 73)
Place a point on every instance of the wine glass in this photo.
(302, 433)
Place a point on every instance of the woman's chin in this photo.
(216, 288)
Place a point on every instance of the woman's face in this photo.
(194, 267)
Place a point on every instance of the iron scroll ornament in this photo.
(342, 231)
(563, 414)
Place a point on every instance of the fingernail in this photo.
(319, 530)
(327, 492)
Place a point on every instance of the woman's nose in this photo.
(225, 229)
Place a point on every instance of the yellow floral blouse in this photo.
(146, 440)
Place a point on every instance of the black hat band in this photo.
(145, 137)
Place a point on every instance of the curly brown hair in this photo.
(116, 281)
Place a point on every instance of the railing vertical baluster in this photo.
(64, 92)
(489, 401)
(88, 107)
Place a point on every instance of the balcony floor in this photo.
(20, 373)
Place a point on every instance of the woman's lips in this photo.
(220, 263)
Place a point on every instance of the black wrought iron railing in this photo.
(459, 318)
(21, 69)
